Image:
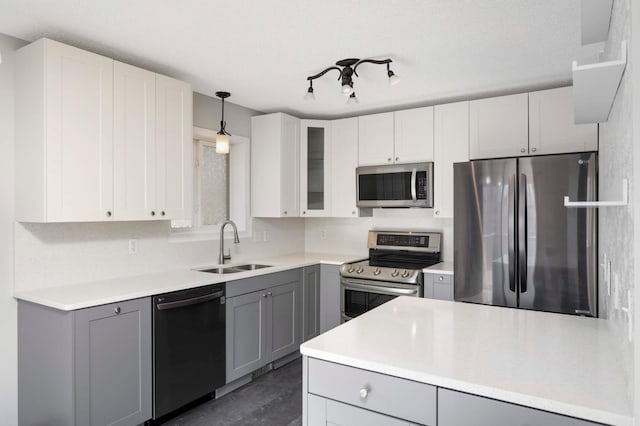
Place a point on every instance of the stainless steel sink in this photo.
(228, 270)
(251, 267)
(234, 269)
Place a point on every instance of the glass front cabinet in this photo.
(315, 170)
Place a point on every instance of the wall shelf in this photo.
(582, 204)
(595, 20)
(595, 87)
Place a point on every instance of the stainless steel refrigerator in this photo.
(516, 244)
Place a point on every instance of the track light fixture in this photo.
(347, 69)
(222, 138)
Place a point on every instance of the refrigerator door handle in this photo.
(522, 233)
(511, 232)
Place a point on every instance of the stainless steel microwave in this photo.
(395, 185)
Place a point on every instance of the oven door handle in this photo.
(379, 289)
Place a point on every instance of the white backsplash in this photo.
(350, 235)
(50, 255)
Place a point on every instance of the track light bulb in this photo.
(347, 90)
(393, 79)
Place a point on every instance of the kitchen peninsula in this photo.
(437, 362)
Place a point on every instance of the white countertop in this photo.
(559, 363)
(445, 268)
(94, 293)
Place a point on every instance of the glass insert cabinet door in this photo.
(315, 170)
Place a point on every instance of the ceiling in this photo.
(263, 50)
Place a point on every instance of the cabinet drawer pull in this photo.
(389, 160)
(264, 295)
(117, 310)
(533, 149)
(153, 213)
(397, 158)
(523, 150)
(285, 212)
(162, 213)
(269, 294)
(364, 393)
(440, 278)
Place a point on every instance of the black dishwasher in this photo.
(188, 346)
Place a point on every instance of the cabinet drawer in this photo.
(342, 383)
(458, 408)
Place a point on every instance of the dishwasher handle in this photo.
(189, 302)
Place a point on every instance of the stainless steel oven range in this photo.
(394, 268)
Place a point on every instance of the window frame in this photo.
(239, 172)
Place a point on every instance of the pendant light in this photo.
(222, 138)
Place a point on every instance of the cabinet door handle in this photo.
(533, 149)
(108, 214)
(285, 212)
(304, 212)
(523, 150)
(397, 158)
(437, 212)
(440, 278)
(389, 160)
(264, 295)
(269, 294)
(353, 212)
(162, 213)
(153, 213)
(117, 310)
(364, 393)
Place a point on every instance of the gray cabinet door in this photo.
(245, 333)
(284, 318)
(113, 363)
(458, 408)
(310, 302)
(329, 297)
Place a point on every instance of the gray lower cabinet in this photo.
(310, 302)
(458, 408)
(325, 412)
(438, 286)
(329, 297)
(86, 367)
(263, 325)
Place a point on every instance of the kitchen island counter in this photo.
(558, 363)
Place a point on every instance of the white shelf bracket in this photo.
(581, 204)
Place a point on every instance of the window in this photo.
(221, 188)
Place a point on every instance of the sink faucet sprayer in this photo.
(236, 240)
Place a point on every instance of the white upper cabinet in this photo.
(413, 135)
(134, 142)
(315, 168)
(174, 149)
(375, 139)
(275, 165)
(344, 160)
(499, 127)
(64, 139)
(552, 127)
(99, 140)
(451, 145)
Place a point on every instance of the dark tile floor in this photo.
(274, 399)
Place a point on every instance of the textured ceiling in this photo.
(263, 50)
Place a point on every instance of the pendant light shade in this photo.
(222, 138)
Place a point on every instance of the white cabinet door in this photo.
(552, 127)
(375, 139)
(275, 161)
(344, 160)
(413, 135)
(134, 142)
(451, 145)
(174, 149)
(499, 127)
(79, 134)
(315, 168)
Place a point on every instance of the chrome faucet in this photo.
(236, 240)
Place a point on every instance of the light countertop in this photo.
(94, 293)
(559, 363)
(444, 268)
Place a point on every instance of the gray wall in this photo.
(207, 112)
(616, 224)
(8, 305)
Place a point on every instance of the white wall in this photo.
(8, 315)
(616, 224)
(350, 235)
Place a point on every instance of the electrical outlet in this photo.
(133, 246)
(266, 236)
(323, 234)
